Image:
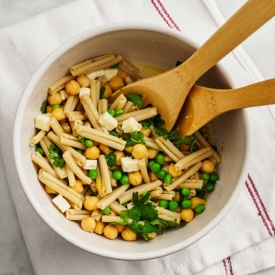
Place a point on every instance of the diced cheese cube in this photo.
(131, 125)
(129, 165)
(90, 164)
(61, 203)
(42, 122)
(110, 73)
(84, 91)
(96, 74)
(108, 121)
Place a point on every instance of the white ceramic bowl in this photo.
(154, 45)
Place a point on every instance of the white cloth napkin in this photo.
(242, 243)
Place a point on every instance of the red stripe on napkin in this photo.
(227, 264)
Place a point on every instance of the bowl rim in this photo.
(23, 176)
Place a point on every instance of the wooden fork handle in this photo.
(250, 17)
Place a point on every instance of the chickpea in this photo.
(135, 178)
(128, 235)
(119, 156)
(110, 231)
(104, 148)
(139, 151)
(49, 190)
(55, 99)
(152, 153)
(153, 176)
(92, 152)
(195, 201)
(72, 87)
(108, 91)
(49, 109)
(184, 147)
(90, 203)
(88, 224)
(99, 227)
(129, 149)
(120, 227)
(208, 166)
(172, 171)
(83, 81)
(58, 114)
(187, 215)
(146, 132)
(121, 74)
(116, 83)
(177, 197)
(78, 187)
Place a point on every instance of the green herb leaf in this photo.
(134, 138)
(148, 212)
(43, 108)
(82, 139)
(56, 155)
(110, 159)
(147, 123)
(59, 162)
(114, 66)
(158, 121)
(101, 92)
(136, 99)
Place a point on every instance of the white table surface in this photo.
(14, 257)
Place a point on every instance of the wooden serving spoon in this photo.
(167, 91)
(204, 104)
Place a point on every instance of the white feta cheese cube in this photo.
(131, 125)
(96, 74)
(110, 73)
(84, 91)
(42, 122)
(108, 121)
(61, 203)
(90, 164)
(129, 165)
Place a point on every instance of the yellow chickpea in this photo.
(49, 109)
(195, 201)
(119, 156)
(184, 147)
(58, 114)
(135, 178)
(208, 166)
(88, 224)
(107, 92)
(99, 227)
(172, 171)
(110, 231)
(139, 151)
(78, 187)
(128, 235)
(49, 190)
(153, 176)
(104, 148)
(177, 197)
(152, 153)
(83, 81)
(90, 203)
(187, 215)
(120, 227)
(145, 132)
(92, 152)
(121, 74)
(129, 149)
(116, 83)
(55, 99)
(72, 87)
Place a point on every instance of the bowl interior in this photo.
(152, 45)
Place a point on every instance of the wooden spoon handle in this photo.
(250, 17)
(258, 94)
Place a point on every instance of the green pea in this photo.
(80, 151)
(199, 208)
(55, 106)
(119, 112)
(161, 174)
(186, 204)
(164, 204)
(167, 179)
(124, 179)
(106, 210)
(88, 143)
(40, 151)
(156, 167)
(160, 158)
(112, 112)
(185, 192)
(117, 175)
(205, 176)
(213, 177)
(93, 174)
(173, 205)
(210, 186)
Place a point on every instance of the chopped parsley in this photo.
(157, 121)
(134, 138)
(101, 92)
(136, 99)
(82, 139)
(43, 108)
(110, 159)
(56, 155)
